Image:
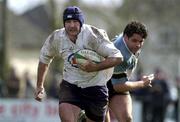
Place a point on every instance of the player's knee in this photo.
(125, 118)
(128, 118)
(65, 118)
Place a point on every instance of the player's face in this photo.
(72, 28)
(134, 43)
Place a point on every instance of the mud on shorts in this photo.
(93, 100)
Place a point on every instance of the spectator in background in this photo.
(1, 87)
(29, 89)
(177, 106)
(143, 95)
(13, 84)
(160, 96)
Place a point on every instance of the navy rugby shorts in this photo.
(111, 91)
(93, 100)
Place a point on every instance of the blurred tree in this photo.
(151, 9)
(3, 41)
(72, 3)
(53, 11)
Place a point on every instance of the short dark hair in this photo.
(135, 27)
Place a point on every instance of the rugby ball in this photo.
(83, 55)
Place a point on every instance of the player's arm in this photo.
(42, 71)
(132, 85)
(105, 64)
(47, 53)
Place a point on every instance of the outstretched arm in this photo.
(132, 85)
(41, 74)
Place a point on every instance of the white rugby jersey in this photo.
(90, 37)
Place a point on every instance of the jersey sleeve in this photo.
(48, 50)
(119, 80)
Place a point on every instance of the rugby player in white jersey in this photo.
(84, 86)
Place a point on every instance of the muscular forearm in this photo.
(128, 86)
(42, 70)
(109, 62)
(132, 85)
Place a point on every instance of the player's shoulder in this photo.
(59, 33)
(117, 37)
(95, 31)
(56, 36)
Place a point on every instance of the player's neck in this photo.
(73, 38)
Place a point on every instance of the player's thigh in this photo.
(96, 102)
(68, 112)
(121, 104)
(69, 102)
